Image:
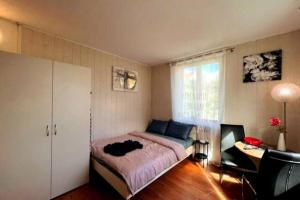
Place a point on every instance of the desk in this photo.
(254, 154)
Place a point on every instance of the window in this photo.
(208, 95)
(196, 90)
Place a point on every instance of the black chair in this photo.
(278, 177)
(232, 159)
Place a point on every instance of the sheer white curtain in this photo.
(198, 97)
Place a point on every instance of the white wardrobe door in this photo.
(71, 123)
(25, 113)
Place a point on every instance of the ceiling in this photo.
(156, 31)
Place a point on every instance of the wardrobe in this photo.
(44, 127)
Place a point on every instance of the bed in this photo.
(133, 172)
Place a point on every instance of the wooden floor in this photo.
(187, 181)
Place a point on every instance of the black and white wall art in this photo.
(262, 67)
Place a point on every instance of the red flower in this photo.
(274, 121)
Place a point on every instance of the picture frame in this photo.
(265, 66)
(124, 79)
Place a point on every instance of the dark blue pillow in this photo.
(158, 126)
(179, 130)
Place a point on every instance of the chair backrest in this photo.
(231, 134)
(279, 173)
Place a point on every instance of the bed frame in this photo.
(120, 185)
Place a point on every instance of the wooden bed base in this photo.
(120, 185)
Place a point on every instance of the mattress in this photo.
(140, 166)
(186, 143)
(102, 162)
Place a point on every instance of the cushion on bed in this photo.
(158, 126)
(179, 130)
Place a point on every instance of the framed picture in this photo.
(262, 67)
(124, 80)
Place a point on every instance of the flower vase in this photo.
(281, 143)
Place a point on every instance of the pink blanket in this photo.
(142, 165)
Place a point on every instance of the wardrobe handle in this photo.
(47, 130)
(55, 132)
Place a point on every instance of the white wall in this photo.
(8, 36)
(247, 103)
(161, 107)
(251, 104)
(114, 113)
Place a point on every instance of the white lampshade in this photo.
(285, 92)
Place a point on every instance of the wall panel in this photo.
(113, 113)
(161, 107)
(254, 101)
(250, 104)
(8, 36)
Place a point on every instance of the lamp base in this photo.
(281, 143)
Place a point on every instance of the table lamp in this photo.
(285, 92)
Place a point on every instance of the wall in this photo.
(161, 107)
(249, 103)
(114, 113)
(8, 36)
